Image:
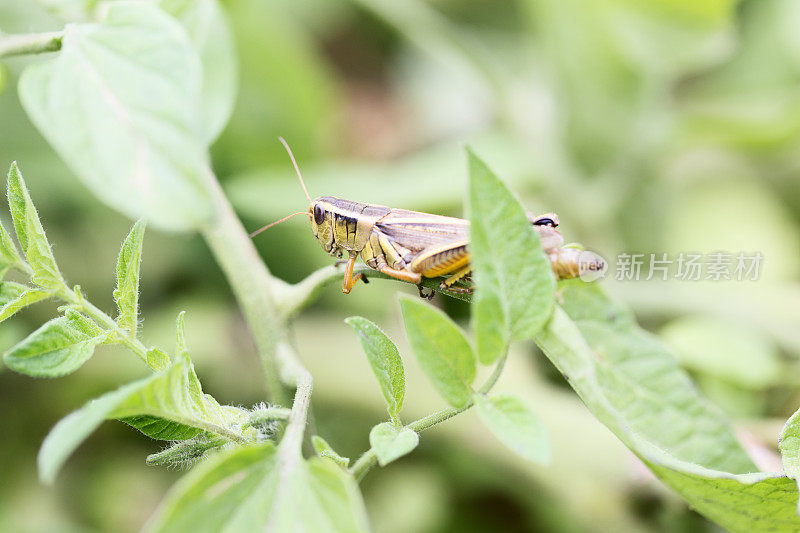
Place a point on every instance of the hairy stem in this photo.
(30, 43)
(252, 285)
(260, 417)
(369, 459)
(102, 318)
(289, 456)
(296, 424)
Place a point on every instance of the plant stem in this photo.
(368, 459)
(30, 43)
(99, 316)
(132, 343)
(252, 284)
(289, 455)
(295, 426)
(259, 417)
(185, 452)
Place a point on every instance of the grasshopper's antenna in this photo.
(296, 168)
(284, 219)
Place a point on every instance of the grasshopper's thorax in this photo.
(343, 224)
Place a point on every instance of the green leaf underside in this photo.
(58, 347)
(514, 280)
(129, 86)
(14, 297)
(632, 384)
(208, 28)
(128, 266)
(442, 350)
(515, 424)
(158, 428)
(384, 358)
(236, 490)
(790, 449)
(790, 446)
(391, 442)
(325, 450)
(168, 405)
(30, 233)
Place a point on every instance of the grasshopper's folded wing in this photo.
(418, 231)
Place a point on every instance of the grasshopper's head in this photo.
(322, 221)
(545, 225)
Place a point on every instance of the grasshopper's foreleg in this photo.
(349, 278)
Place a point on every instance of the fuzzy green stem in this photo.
(185, 452)
(260, 417)
(130, 342)
(30, 43)
(296, 424)
(102, 318)
(252, 285)
(369, 459)
(289, 455)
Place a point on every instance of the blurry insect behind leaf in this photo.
(409, 245)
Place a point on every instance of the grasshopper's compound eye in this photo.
(319, 215)
(545, 222)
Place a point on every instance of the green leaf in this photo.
(9, 256)
(744, 502)
(14, 297)
(209, 30)
(516, 425)
(442, 350)
(121, 104)
(169, 405)
(57, 348)
(514, 278)
(392, 442)
(31, 234)
(790, 446)
(159, 428)
(384, 358)
(632, 384)
(324, 449)
(244, 489)
(128, 266)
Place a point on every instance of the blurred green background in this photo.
(650, 126)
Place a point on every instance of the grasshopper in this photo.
(409, 245)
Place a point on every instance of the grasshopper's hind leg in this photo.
(403, 275)
(447, 285)
(450, 260)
